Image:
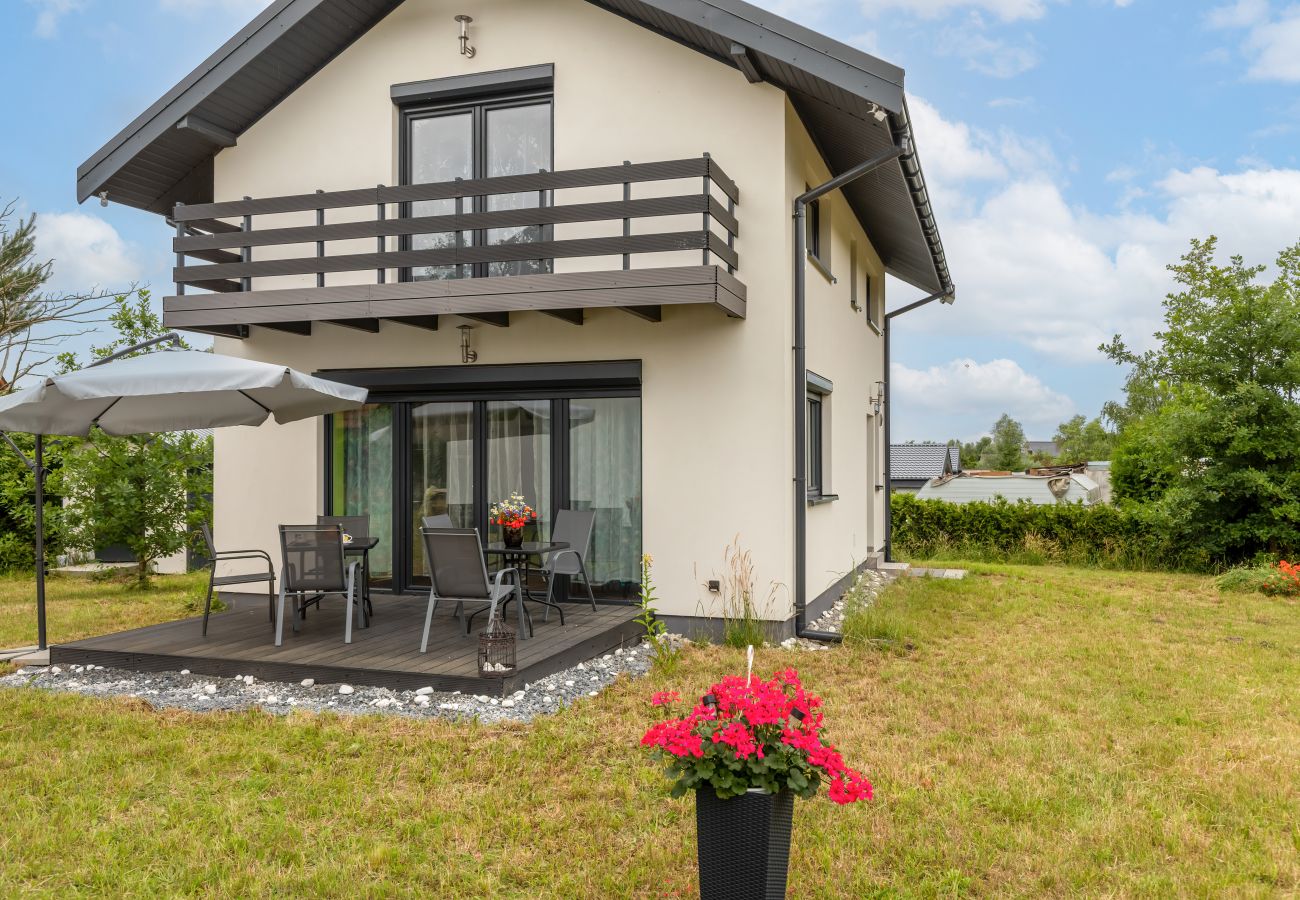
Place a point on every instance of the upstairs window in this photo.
(478, 139)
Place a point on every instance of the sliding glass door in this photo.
(361, 482)
(404, 461)
(441, 473)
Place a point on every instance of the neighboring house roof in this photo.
(922, 461)
(165, 155)
(1048, 448)
(1040, 489)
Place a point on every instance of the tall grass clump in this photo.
(876, 621)
(743, 621)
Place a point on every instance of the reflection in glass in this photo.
(442, 471)
(519, 458)
(442, 149)
(605, 476)
(362, 478)
(518, 143)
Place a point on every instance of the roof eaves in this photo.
(165, 112)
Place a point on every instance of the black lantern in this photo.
(496, 650)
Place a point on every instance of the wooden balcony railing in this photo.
(226, 251)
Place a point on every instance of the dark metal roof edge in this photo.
(910, 162)
(252, 39)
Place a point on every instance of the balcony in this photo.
(497, 246)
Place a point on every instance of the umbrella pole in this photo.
(39, 472)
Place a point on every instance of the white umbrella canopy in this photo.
(173, 391)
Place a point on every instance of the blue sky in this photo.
(1073, 147)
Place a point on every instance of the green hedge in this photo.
(1001, 531)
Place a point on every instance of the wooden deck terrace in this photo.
(240, 641)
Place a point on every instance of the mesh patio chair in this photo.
(358, 527)
(439, 521)
(314, 564)
(573, 527)
(215, 581)
(457, 572)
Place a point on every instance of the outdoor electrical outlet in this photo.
(715, 586)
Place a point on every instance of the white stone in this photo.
(591, 694)
(518, 695)
(248, 679)
(495, 701)
(581, 666)
(422, 699)
(55, 670)
(209, 688)
(273, 699)
(569, 683)
(424, 691)
(307, 682)
(384, 702)
(481, 698)
(292, 701)
(185, 671)
(507, 703)
(618, 652)
(345, 689)
(548, 699)
(448, 706)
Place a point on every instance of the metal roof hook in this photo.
(465, 49)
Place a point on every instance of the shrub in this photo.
(1129, 537)
(1283, 580)
(1244, 579)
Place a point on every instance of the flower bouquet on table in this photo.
(512, 514)
(747, 749)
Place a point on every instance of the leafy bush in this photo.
(1123, 537)
(1283, 580)
(1244, 579)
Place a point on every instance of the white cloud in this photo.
(49, 13)
(1272, 43)
(968, 396)
(1060, 279)
(1006, 10)
(87, 252)
(993, 56)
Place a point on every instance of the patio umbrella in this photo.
(174, 391)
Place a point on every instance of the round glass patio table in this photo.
(522, 555)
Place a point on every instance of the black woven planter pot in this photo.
(743, 844)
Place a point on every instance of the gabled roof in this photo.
(922, 461)
(165, 155)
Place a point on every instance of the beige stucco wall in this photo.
(716, 392)
(843, 347)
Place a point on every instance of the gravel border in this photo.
(206, 693)
(870, 582)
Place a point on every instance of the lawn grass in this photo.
(81, 607)
(1049, 731)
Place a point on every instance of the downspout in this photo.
(947, 297)
(800, 383)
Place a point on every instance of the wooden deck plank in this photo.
(240, 642)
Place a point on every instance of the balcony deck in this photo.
(241, 642)
(565, 276)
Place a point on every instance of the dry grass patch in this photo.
(1052, 731)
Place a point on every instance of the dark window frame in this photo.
(404, 579)
(817, 423)
(478, 105)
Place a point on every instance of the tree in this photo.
(34, 322)
(1006, 447)
(971, 451)
(1210, 435)
(147, 492)
(1081, 440)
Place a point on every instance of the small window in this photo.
(816, 439)
(814, 445)
(855, 301)
(815, 228)
(873, 308)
